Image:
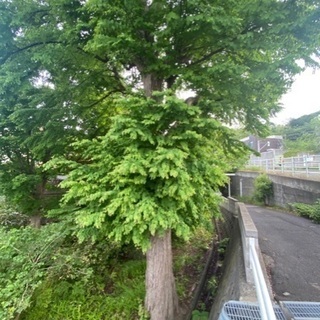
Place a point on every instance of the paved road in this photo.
(291, 247)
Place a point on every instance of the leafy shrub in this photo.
(118, 295)
(223, 246)
(263, 189)
(308, 210)
(30, 257)
(10, 218)
(25, 255)
(200, 315)
(316, 214)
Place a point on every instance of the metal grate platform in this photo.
(304, 310)
(235, 310)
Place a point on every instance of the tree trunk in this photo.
(35, 221)
(161, 296)
(151, 83)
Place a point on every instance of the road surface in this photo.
(291, 248)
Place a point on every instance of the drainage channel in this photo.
(208, 284)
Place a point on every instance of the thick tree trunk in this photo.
(151, 83)
(161, 296)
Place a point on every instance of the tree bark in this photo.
(161, 296)
(151, 83)
(35, 221)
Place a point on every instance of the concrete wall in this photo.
(286, 189)
(233, 274)
(233, 284)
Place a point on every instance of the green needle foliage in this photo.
(158, 168)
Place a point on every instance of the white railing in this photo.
(265, 304)
(253, 269)
(308, 165)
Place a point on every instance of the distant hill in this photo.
(296, 128)
(301, 135)
(303, 120)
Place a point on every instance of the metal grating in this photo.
(304, 310)
(234, 310)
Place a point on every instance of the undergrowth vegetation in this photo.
(119, 296)
(26, 255)
(47, 274)
(311, 211)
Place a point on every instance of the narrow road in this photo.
(291, 248)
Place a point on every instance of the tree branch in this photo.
(101, 99)
(4, 59)
(211, 54)
(104, 60)
(112, 69)
(206, 57)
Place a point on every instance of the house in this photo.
(264, 144)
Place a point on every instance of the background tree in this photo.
(160, 164)
(30, 129)
(47, 100)
(315, 123)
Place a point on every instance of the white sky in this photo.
(303, 97)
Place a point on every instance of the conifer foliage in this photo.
(157, 169)
(145, 163)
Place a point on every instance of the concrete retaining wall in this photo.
(286, 189)
(236, 282)
(233, 275)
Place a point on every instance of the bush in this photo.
(263, 189)
(24, 257)
(308, 210)
(120, 296)
(31, 259)
(316, 214)
(10, 218)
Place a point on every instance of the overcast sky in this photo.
(303, 98)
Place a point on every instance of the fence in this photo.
(307, 164)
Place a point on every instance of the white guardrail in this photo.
(306, 164)
(253, 269)
(265, 304)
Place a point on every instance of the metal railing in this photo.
(265, 304)
(253, 269)
(308, 165)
